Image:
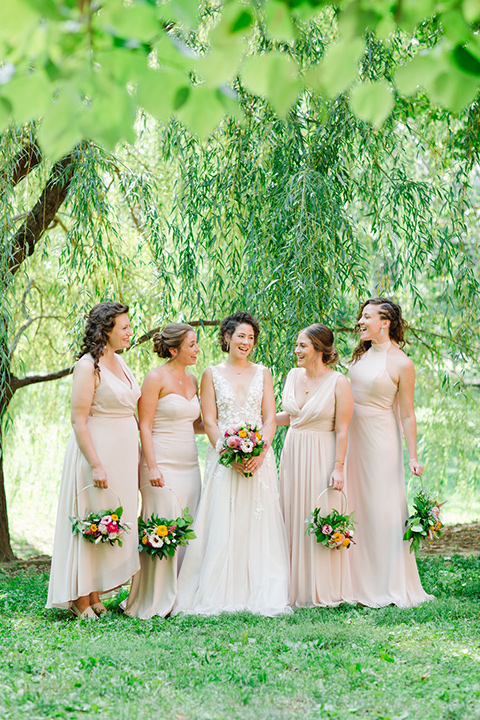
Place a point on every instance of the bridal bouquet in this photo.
(160, 537)
(335, 530)
(101, 527)
(424, 522)
(240, 444)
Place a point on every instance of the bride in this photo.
(239, 560)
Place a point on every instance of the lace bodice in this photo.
(229, 411)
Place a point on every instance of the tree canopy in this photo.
(71, 62)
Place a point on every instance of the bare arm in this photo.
(209, 407)
(283, 418)
(343, 415)
(198, 426)
(406, 388)
(147, 404)
(269, 424)
(83, 390)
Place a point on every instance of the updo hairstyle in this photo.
(99, 325)
(322, 340)
(172, 336)
(230, 324)
(388, 310)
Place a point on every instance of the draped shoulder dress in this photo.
(78, 566)
(319, 576)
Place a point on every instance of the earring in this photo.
(381, 331)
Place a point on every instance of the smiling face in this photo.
(120, 336)
(305, 352)
(371, 324)
(241, 341)
(188, 351)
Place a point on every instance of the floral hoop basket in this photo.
(102, 526)
(335, 530)
(160, 537)
(425, 521)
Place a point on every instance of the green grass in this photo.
(317, 664)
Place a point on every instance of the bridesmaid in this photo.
(318, 406)
(169, 415)
(103, 451)
(383, 379)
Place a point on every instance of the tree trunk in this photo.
(23, 245)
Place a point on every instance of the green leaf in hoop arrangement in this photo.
(338, 68)
(275, 76)
(372, 102)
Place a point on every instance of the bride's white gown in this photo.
(239, 560)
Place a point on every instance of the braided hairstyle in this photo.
(230, 323)
(322, 340)
(388, 310)
(99, 325)
(172, 336)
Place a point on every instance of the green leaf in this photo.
(59, 131)
(157, 91)
(202, 112)
(338, 69)
(278, 21)
(111, 114)
(29, 95)
(139, 21)
(5, 114)
(465, 61)
(123, 65)
(455, 27)
(17, 20)
(372, 102)
(220, 66)
(412, 12)
(274, 76)
(184, 11)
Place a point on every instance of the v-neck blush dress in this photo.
(154, 587)
(383, 570)
(318, 575)
(78, 566)
(239, 560)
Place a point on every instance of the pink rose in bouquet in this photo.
(327, 529)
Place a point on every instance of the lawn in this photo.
(349, 662)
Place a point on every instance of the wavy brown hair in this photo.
(99, 325)
(322, 340)
(230, 323)
(388, 310)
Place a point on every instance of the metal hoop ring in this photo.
(344, 504)
(164, 487)
(75, 502)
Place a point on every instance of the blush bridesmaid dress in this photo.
(383, 570)
(318, 575)
(80, 567)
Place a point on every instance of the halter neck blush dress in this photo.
(154, 587)
(239, 560)
(80, 567)
(318, 575)
(383, 570)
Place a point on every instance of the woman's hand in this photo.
(239, 468)
(253, 464)
(337, 480)
(156, 478)
(99, 477)
(415, 467)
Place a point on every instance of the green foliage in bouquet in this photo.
(335, 530)
(160, 537)
(101, 527)
(424, 522)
